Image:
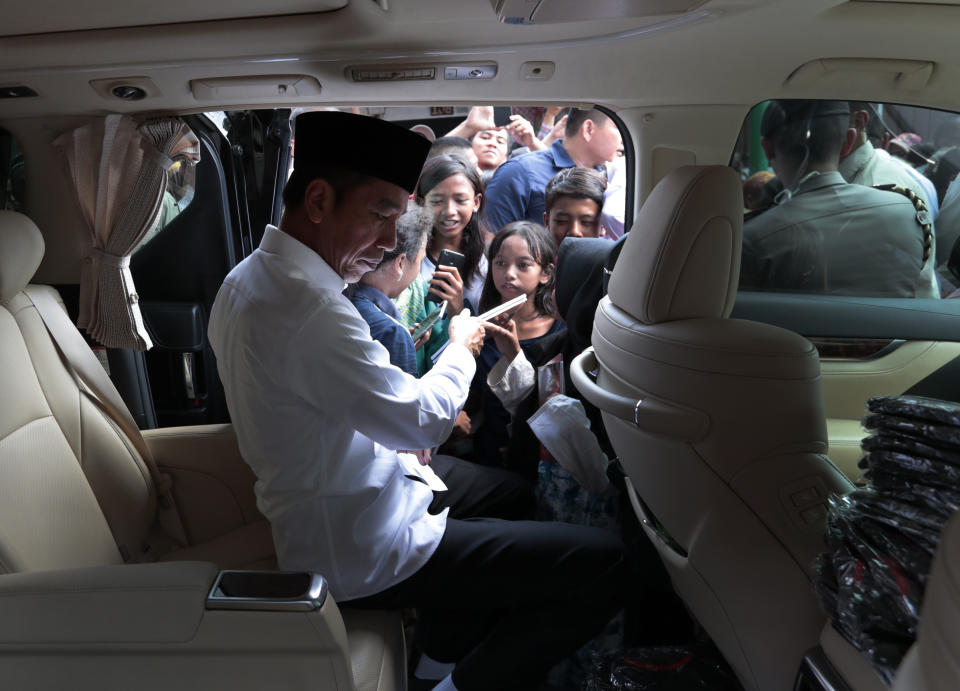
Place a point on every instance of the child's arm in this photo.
(512, 381)
(513, 377)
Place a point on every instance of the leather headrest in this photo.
(579, 284)
(682, 258)
(21, 249)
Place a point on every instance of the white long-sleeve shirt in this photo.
(512, 380)
(319, 411)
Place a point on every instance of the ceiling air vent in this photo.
(393, 73)
(17, 92)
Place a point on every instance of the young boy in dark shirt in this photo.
(573, 201)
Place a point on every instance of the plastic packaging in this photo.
(872, 600)
(893, 466)
(937, 435)
(668, 668)
(908, 445)
(881, 539)
(919, 407)
(562, 426)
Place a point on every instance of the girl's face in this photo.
(515, 271)
(453, 203)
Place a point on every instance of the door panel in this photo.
(848, 383)
(922, 358)
(176, 363)
(853, 317)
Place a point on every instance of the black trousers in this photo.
(507, 599)
(475, 490)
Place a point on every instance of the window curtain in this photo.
(119, 172)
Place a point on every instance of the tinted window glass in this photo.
(181, 177)
(12, 178)
(850, 198)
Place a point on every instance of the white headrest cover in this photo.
(681, 260)
(21, 249)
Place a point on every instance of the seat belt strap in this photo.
(80, 358)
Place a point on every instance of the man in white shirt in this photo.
(862, 164)
(321, 415)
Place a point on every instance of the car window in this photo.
(12, 177)
(181, 186)
(850, 198)
(492, 135)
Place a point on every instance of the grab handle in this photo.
(650, 414)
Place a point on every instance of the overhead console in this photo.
(559, 11)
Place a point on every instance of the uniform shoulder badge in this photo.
(922, 213)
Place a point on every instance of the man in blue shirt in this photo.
(381, 314)
(516, 191)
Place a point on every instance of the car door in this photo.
(869, 346)
(178, 270)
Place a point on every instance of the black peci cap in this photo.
(359, 143)
(781, 113)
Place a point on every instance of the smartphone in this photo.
(451, 258)
(448, 258)
(429, 321)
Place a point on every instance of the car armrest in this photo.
(212, 484)
(151, 627)
(143, 603)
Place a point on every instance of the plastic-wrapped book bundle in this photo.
(881, 538)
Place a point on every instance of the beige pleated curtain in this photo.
(119, 171)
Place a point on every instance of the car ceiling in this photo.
(734, 52)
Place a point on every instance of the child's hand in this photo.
(461, 428)
(446, 284)
(504, 331)
(419, 343)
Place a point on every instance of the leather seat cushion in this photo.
(939, 631)
(377, 650)
(249, 547)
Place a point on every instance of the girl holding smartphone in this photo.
(450, 188)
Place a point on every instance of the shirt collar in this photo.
(378, 298)
(561, 159)
(855, 162)
(311, 264)
(822, 180)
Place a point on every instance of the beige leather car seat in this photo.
(933, 663)
(74, 492)
(719, 424)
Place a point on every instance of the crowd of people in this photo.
(501, 199)
(397, 461)
(852, 208)
(392, 430)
